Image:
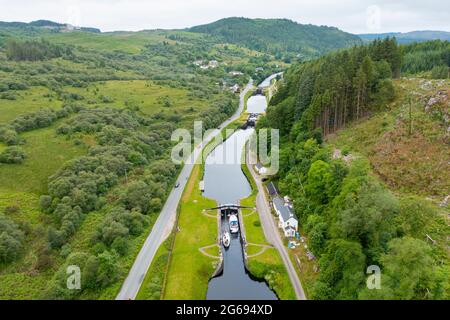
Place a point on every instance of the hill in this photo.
(365, 160)
(46, 24)
(279, 35)
(409, 37)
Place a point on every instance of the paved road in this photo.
(272, 234)
(167, 217)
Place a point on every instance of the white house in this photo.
(287, 220)
(213, 64)
(236, 73)
(235, 88)
(261, 169)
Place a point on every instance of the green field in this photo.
(26, 101)
(189, 270)
(46, 153)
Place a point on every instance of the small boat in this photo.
(226, 240)
(234, 224)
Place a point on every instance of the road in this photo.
(272, 234)
(166, 220)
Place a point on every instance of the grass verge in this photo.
(189, 270)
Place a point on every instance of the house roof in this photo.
(284, 210)
(272, 189)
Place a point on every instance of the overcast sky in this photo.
(362, 16)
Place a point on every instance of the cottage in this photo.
(261, 169)
(213, 64)
(236, 73)
(287, 220)
(235, 88)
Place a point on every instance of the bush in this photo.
(12, 155)
(9, 136)
(45, 202)
(118, 224)
(138, 197)
(11, 240)
(120, 245)
(8, 96)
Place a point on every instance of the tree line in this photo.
(338, 88)
(32, 50)
(427, 56)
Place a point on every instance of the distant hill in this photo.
(409, 37)
(279, 35)
(46, 24)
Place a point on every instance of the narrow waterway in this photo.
(226, 183)
(266, 83)
(257, 104)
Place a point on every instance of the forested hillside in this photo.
(409, 37)
(281, 37)
(341, 87)
(371, 196)
(432, 56)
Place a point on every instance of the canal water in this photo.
(226, 183)
(257, 104)
(266, 83)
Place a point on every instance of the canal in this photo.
(226, 183)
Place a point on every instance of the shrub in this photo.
(11, 240)
(120, 245)
(12, 209)
(45, 202)
(8, 96)
(9, 136)
(12, 155)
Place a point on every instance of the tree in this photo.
(11, 240)
(138, 196)
(414, 217)
(112, 230)
(342, 271)
(108, 269)
(368, 217)
(319, 180)
(408, 272)
(45, 202)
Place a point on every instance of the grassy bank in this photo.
(153, 285)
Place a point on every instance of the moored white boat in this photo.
(234, 224)
(226, 239)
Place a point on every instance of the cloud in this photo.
(349, 15)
